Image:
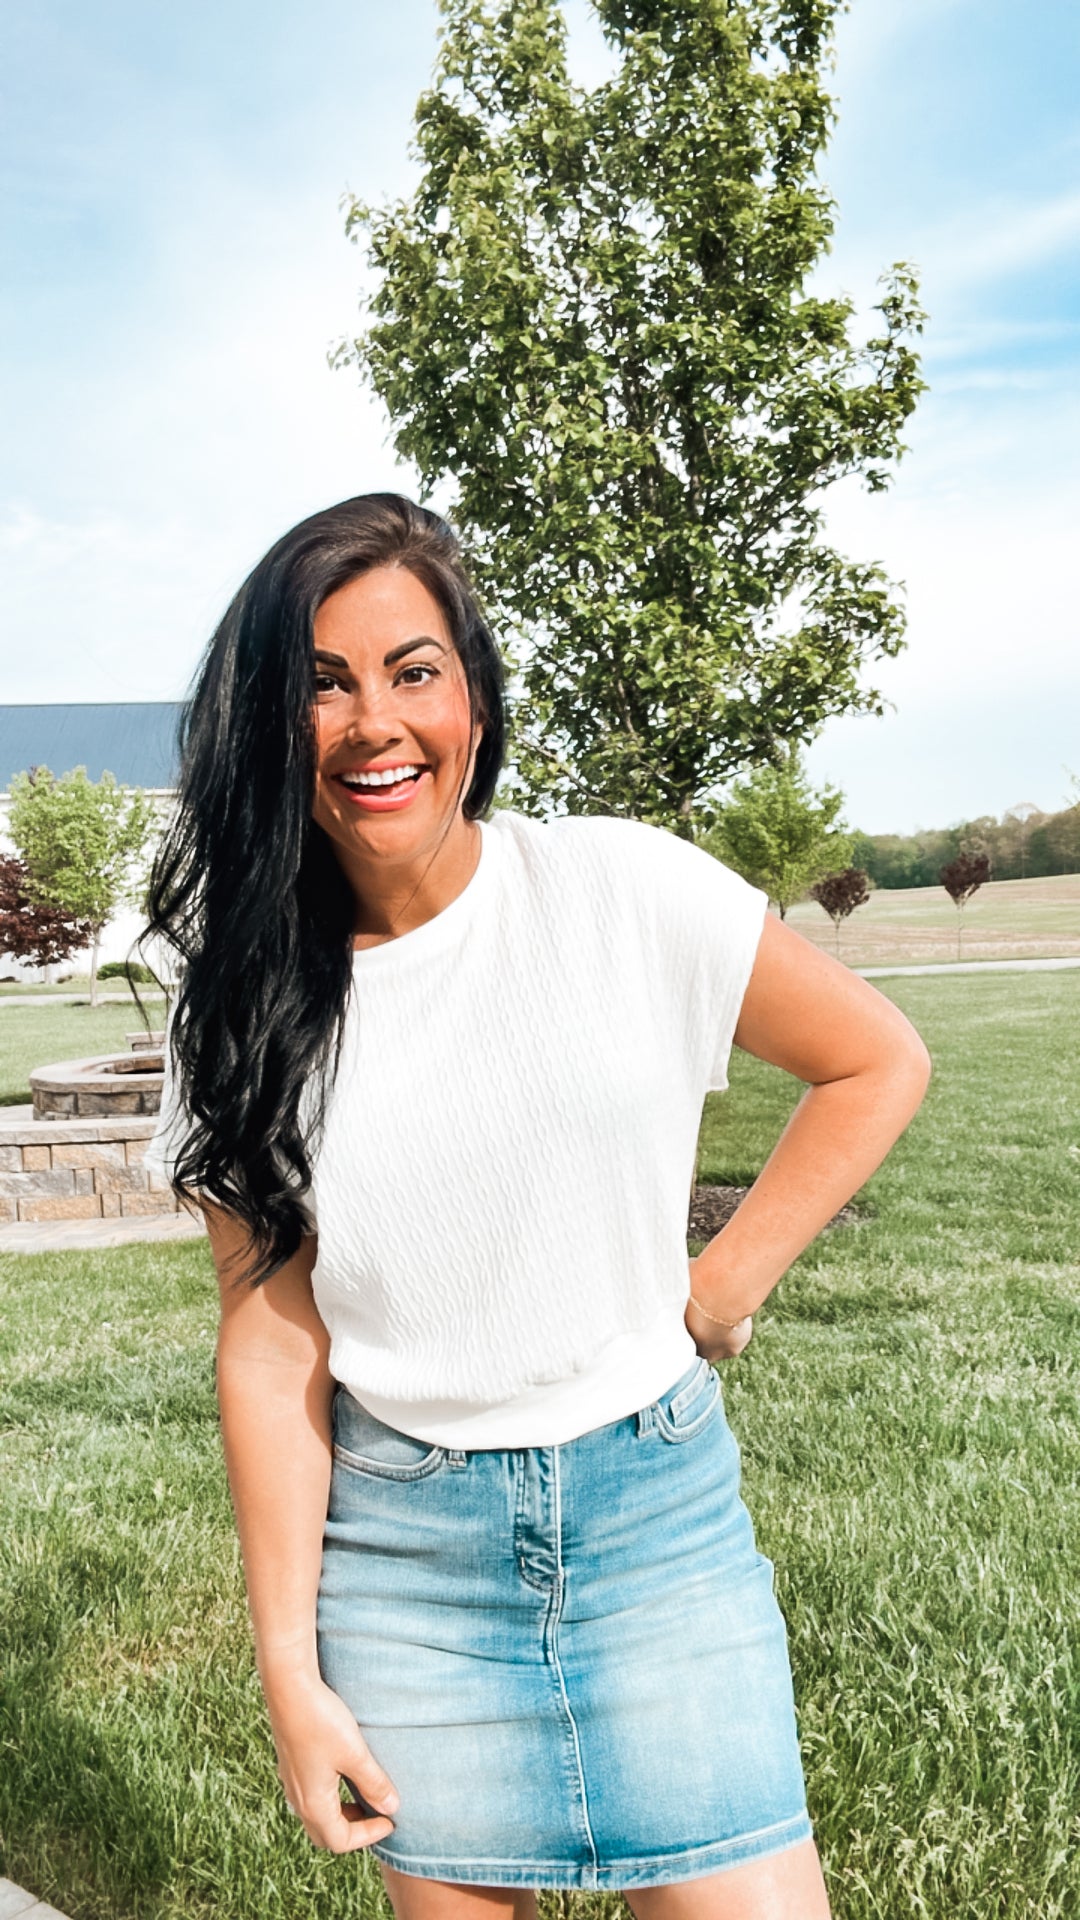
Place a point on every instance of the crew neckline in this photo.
(443, 927)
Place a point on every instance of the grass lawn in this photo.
(35, 1033)
(910, 1426)
(1005, 920)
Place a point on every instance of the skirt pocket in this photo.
(689, 1406)
(365, 1445)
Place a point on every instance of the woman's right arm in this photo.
(275, 1391)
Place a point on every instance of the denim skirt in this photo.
(569, 1659)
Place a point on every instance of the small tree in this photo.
(779, 832)
(83, 842)
(840, 894)
(960, 879)
(30, 930)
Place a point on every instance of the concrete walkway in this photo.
(58, 1236)
(76, 999)
(972, 966)
(17, 1904)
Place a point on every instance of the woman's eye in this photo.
(403, 675)
(323, 681)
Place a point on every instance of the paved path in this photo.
(973, 966)
(75, 1000)
(55, 1236)
(17, 1904)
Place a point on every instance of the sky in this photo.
(174, 272)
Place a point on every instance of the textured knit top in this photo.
(502, 1186)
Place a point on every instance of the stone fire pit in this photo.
(77, 1152)
(109, 1083)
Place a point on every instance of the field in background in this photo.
(37, 1033)
(910, 1426)
(1006, 920)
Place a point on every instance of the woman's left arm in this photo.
(867, 1071)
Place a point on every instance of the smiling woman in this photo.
(437, 1077)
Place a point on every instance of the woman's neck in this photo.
(392, 899)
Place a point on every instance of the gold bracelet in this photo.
(729, 1324)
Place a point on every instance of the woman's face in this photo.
(392, 701)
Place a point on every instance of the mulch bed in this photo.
(712, 1207)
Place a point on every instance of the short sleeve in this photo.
(705, 923)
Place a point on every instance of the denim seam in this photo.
(677, 1434)
(386, 1469)
(555, 1618)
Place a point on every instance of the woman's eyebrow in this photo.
(395, 654)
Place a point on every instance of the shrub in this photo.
(126, 970)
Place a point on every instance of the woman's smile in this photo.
(383, 789)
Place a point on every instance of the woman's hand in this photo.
(711, 1341)
(318, 1744)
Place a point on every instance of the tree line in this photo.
(1025, 843)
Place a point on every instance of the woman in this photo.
(436, 1079)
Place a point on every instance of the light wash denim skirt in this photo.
(569, 1659)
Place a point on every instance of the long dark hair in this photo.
(245, 886)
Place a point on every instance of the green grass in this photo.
(36, 1034)
(910, 1426)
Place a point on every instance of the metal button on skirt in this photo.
(568, 1659)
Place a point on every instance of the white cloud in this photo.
(994, 238)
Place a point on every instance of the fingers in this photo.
(379, 1795)
(347, 1826)
(342, 1827)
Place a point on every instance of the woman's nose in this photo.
(372, 715)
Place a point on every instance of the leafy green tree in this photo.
(591, 326)
(83, 843)
(781, 833)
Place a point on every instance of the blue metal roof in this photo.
(135, 740)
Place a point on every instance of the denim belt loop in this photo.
(457, 1457)
(646, 1420)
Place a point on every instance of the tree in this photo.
(31, 931)
(840, 894)
(960, 879)
(779, 832)
(82, 842)
(591, 323)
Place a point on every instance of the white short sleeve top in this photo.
(502, 1186)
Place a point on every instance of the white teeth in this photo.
(384, 779)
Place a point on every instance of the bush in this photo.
(126, 970)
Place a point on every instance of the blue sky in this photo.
(174, 271)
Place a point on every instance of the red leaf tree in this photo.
(960, 879)
(840, 894)
(29, 931)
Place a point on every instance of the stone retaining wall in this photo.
(78, 1169)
